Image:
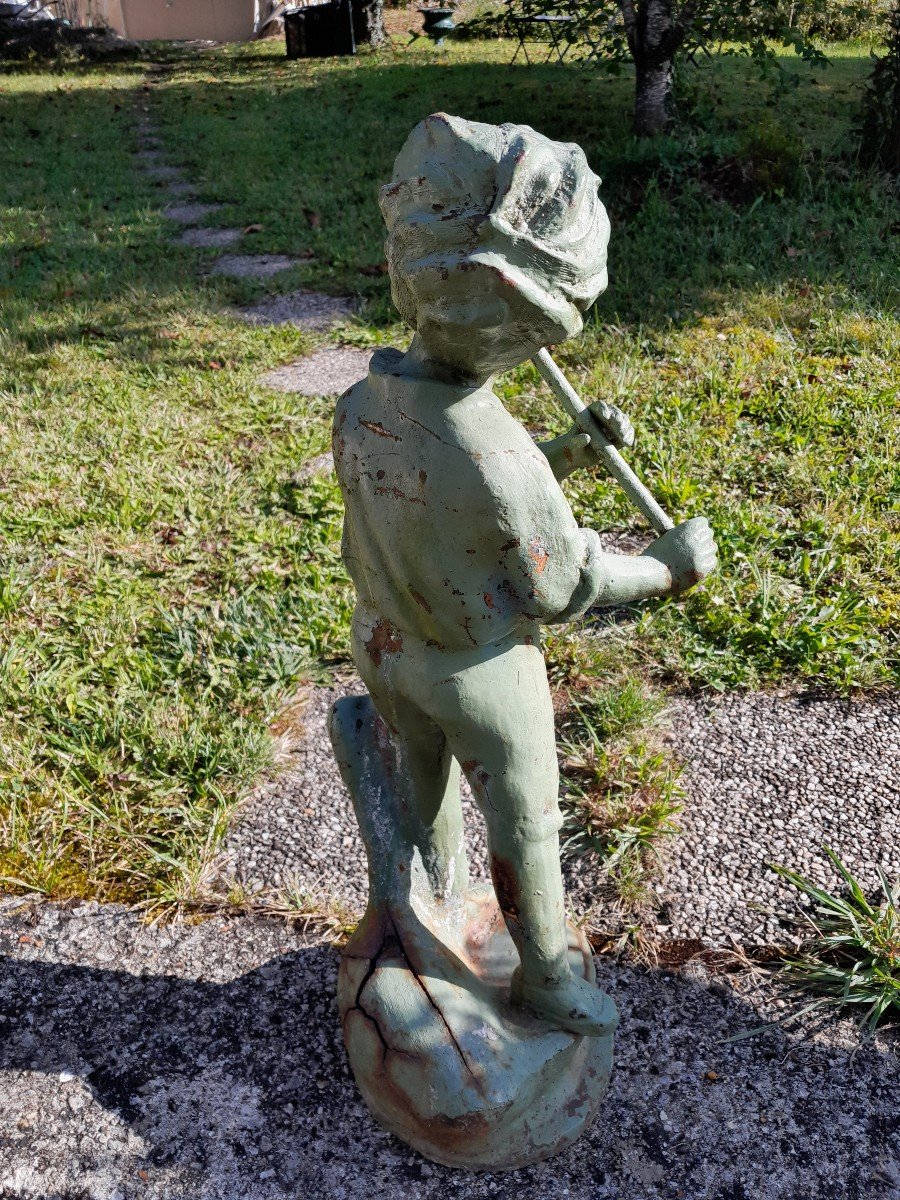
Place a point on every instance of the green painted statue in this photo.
(471, 1015)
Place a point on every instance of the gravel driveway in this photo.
(205, 1063)
(768, 778)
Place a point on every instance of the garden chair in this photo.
(541, 24)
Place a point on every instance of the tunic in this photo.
(456, 529)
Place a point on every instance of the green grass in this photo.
(852, 958)
(166, 577)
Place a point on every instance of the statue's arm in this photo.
(672, 564)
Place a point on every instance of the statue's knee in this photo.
(520, 824)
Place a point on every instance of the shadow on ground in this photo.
(206, 1061)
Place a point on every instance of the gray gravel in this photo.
(305, 310)
(205, 1063)
(319, 464)
(767, 778)
(252, 266)
(326, 372)
(773, 779)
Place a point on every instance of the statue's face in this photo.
(479, 325)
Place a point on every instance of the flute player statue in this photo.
(471, 1016)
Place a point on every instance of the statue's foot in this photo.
(576, 1005)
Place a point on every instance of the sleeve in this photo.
(548, 561)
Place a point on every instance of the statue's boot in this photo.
(574, 1005)
(528, 881)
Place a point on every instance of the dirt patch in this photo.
(252, 266)
(325, 373)
(304, 310)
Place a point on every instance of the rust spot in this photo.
(537, 552)
(385, 639)
(423, 475)
(470, 552)
(489, 600)
(505, 585)
(380, 430)
(506, 885)
(512, 544)
(470, 764)
(379, 474)
(420, 599)
(398, 493)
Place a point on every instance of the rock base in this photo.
(442, 1058)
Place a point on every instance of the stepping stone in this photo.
(189, 214)
(150, 157)
(210, 238)
(303, 310)
(181, 187)
(322, 464)
(325, 373)
(164, 174)
(252, 266)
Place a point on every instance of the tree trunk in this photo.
(652, 96)
(373, 22)
(654, 37)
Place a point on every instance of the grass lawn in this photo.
(167, 579)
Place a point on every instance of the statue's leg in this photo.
(498, 716)
(428, 775)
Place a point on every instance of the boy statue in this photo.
(461, 544)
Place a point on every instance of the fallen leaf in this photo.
(145, 1175)
(712, 1076)
(254, 228)
(214, 366)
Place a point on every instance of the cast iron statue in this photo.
(471, 1016)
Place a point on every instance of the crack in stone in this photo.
(434, 1005)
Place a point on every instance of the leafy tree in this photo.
(880, 143)
(653, 32)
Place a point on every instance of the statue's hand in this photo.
(689, 552)
(613, 425)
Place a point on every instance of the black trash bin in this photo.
(319, 30)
